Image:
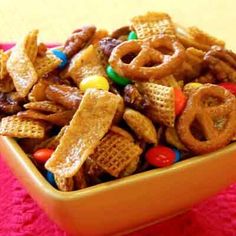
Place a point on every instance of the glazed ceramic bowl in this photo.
(128, 203)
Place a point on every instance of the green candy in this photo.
(117, 78)
(132, 36)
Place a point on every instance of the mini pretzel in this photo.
(150, 63)
(206, 117)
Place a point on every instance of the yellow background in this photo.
(56, 19)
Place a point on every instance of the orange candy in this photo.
(180, 101)
(43, 154)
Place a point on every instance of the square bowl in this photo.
(131, 202)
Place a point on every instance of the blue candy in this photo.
(177, 154)
(51, 179)
(61, 55)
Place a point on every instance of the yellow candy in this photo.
(95, 81)
(194, 85)
(191, 88)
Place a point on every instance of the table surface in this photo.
(56, 19)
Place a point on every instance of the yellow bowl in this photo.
(128, 203)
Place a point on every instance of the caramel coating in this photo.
(78, 40)
(206, 116)
(67, 96)
(149, 62)
(222, 63)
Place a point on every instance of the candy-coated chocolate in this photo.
(50, 178)
(94, 81)
(132, 35)
(160, 156)
(194, 85)
(117, 78)
(180, 101)
(43, 154)
(61, 55)
(229, 86)
(177, 154)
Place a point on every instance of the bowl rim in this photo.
(48, 189)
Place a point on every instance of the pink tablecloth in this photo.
(20, 215)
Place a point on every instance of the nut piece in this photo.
(78, 40)
(134, 98)
(108, 44)
(222, 63)
(8, 105)
(141, 125)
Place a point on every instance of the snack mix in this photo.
(108, 105)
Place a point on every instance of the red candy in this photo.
(229, 86)
(160, 156)
(42, 155)
(180, 101)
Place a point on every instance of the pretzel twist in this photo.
(207, 116)
(149, 63)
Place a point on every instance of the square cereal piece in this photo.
(17, 127)
(115, 152)
(152, 24)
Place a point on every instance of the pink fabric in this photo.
(20, 215)
(6, 46)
